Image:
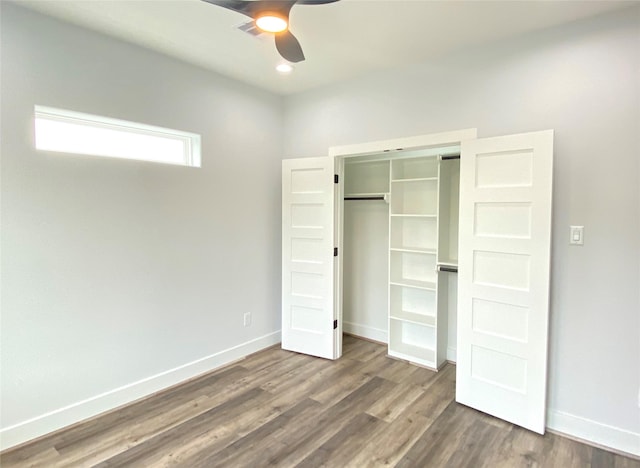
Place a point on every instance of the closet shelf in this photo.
(417, 179)
(415, 354)
(413, 317)
(412, 215)
(415, 284)
(414, 250)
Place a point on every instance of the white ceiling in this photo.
(340, 40)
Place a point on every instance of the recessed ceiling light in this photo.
(271, 23)
(284, 68)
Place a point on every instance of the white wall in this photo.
(118, 271)
(366, 265)
(582, 80)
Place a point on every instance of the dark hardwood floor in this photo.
(285, 409)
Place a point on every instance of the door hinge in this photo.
(335, 178)
(335, 324)
(335, 251)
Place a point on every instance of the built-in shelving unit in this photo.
(413, 241)
(418, 240)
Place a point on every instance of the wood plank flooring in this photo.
(277, 408)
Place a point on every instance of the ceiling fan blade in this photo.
(314, 2)
(253, 8)
(289, 47)
(240, 6)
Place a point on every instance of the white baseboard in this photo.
(375, 334)
(451, 354)
(81, 410)
(594, 432)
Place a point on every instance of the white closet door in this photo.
(503, 290)
(307, 256)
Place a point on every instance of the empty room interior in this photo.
(399, 233)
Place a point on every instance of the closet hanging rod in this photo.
(364, 198)
(448, 269)
(446, 157)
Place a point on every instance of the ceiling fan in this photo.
(273, 16)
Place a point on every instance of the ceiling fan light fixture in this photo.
(284, 68)
(271, 22)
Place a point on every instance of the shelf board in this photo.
(381, 159)
(415, 354)
(413, 317)
(413, 215)
(413, 250)
(415, 284)
(448, 263)
(420, 179)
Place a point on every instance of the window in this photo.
(74, 132)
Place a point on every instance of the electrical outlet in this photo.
(247, 319)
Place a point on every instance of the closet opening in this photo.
(397, 222)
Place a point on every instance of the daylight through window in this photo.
(74, 132)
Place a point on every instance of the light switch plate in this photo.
(576, 235)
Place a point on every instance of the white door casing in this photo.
(503, 277)
(307, 253)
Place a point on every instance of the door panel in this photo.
(503, 290)
(307, 256)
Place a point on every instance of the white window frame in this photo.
(191, 152)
